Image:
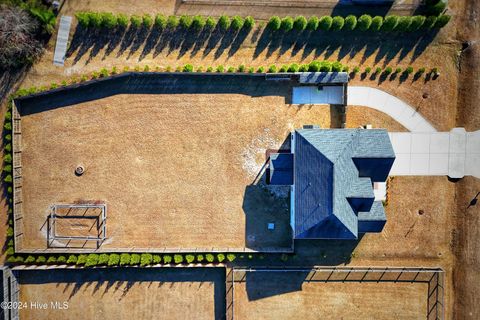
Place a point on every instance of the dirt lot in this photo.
(261, 297)
(125, 293)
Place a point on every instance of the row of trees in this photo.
(365, 22)
(123, 259)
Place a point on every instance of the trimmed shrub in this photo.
(442, 21)
(187, 68)
(241, 68)
(8, 179)
(167, 259)
(113, 259)
(211, 23)
(109, 21)
(185, 22)
(135, 21)
(364, 22)
(378, 70)
(8, 167)
(122, 20)
(189, 258)
(61, 259)
(312, 23)
(249, 23)
(398, 70)
(231, 257)
(437, 8)
(8, 147)
(403, 23)
(41, 259)
(220, 257)
(283, 68)
(387, 71)
(314, 66)
(8, 115)
(134, 259)
(231, 70)
(172, 22)
(420, 71)
(350, 22)
(10, 251)
(7, 158)
(434, 71)
(209, 257)
(103, 259)
(429, 22)
(346, 68)
(377, 23)
(338, 23)
(220, 69)
(251, 70)
(30, 259)
(104, 73)
(408, 70)
(157, 259)
(356, 69)
(224, 22)
(83, 19)
(124, 259)
(209, 69)
(200, 69)
(81, 259)
(237, 23)
(200, 257)
(303, 68)
(325, 23)
(300, 23)
(390, 23)
(72, 259)
(178, 258)
(160, 21)
(95, 19)
(287, 24)
(92, 260)
(272, 69)
(337, 66)
(146, 259)
(260, 70)
(293, 67)
(416, 23)
(274, 23)
(198, 23)
(325, 66)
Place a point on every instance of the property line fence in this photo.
(10, 295)
(17, 177)
(434, 277)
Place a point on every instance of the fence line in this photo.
(17, 177)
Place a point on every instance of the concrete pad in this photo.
(439, 142)
(316, 95)
(420, 143)
(438, 164)
(420, 163)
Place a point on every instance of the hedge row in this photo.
(107, 20)
(118, 259)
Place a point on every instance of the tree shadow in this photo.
(150, 42)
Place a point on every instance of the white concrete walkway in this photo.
(62, 40)
(391, 105)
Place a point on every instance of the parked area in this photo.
(124, 293)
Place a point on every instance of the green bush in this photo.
(442, 21)
(364, 22)
(124, 259)
(417, 23)
(272, 69)
(8, 137)
(200, 69)
(109, 20)
(156, 259)
(8, 167)
(104, 73)
(61, 259)
(387, 71)
(241, 68)
(398, 70)
(356, 69)
(83, 19)
(430, 22)
(52, 260)
(403, 23)
(274, 23)
(300, 23)
(185, 22)
(81, 259)
(95, 19)
(41, 259)
(260, 70)
(92, 260)
(350, 22)
(136, 21)
(312, 23)
(434, 71)
(160, 21)
(189, 258)
(337, 66)
(437, 8)
(224, 22)
(10, 251)
(146, 259)
(72, 259)
(30, 259)
(210, 69)
(287, 24)
(103, 259)
(338, 23)
(378, 70)
(408, 70)
(187, 68)
(8, 126)
(346, 68)
(198, 23)
(325, 23)
(8, 147)
(220, 69)
(325, 66)
(200, 257)
(8, 179)
(420, 71)
(172, 22)
(314, 66)
(231, 257)
(167, 258)
(237, 23)
(249, 23)
(7, 158)
(231, 70)
(220, 257)
(8, 115)
(134, 259)
(390, 23)
(211, 23)
(209, 257)
(178, 258)
(251, 70)
(377, 23)
(303, 68)
(122, 20)
(283, 68)
(293, 67)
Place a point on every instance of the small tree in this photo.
(337, 23)
(211, 23)
(241, 68)
(124, 259)
(231, 70)
(134, 259)
(198, 23)
(81, 259)
(209, 257)
(403, 23)
(224, 22)
(337, 66)
(172, 22)
(398, 70)
(274, 23)
(378, 70)
(157, 259)
(388, 70)
(390, 23)
(95, 19)
(178, 258)
(231, 257)
(287, 24)
(146, 259)
(92, 260)
(325, 23)
(220, 69)
(200, 257)
(167, 259)
(220, 257)
(113, 259)
(160, 21)
(30, 260)
(122, 20)
(312, 23)
(430, 22)
(187, 68)
(83, 19)
(260, 70)
(189, 258)
(272, 69)
(300, 23)
(41, 259)
(249, 23)
(283, 68)
(103, 259)
(237, 23)
(72, 259)
(377, 23)
(293, 67)
(186, 22)
(109, 21)
(442, 21)
(417, 23)
(350, 22)
(61, 259)
(364, 22)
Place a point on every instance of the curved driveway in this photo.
(391, 105)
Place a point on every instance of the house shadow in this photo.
(345, 8)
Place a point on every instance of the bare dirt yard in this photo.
(286, 296)
(124, 293)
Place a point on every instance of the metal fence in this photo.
(434, 277)
(10, 294)
(17, 177)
